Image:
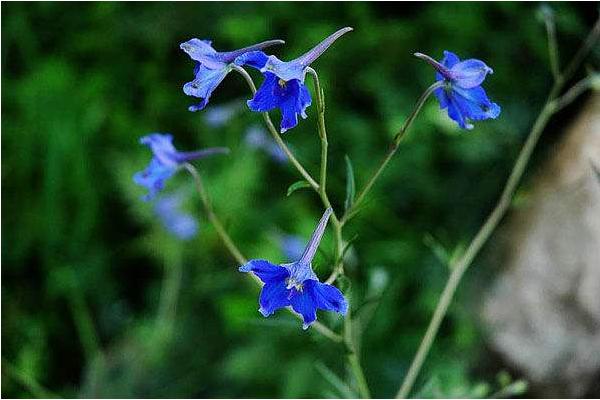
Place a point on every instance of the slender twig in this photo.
(581, 54)
(574, 92)
(391, 151)
(169, 293)
(277, 136)
(552, 43)
(233, 249)
(353, 359)
(460, 266)
(28, 382)
(235, 252)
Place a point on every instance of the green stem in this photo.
(277, 136)
(391, 151)
(233, 249)
(460, 266)
(349, 338)
(353, 358)
(169, 294)
(27, 382)
(552, 45)
(229, 244)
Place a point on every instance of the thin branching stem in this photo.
(552, 44)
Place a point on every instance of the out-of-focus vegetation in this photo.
(84, 259)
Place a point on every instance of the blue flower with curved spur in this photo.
(462, 93)
(165, 161)
(283, 86)
(212, 67)
(296, 284)
(177, 222)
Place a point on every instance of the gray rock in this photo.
(543, 312)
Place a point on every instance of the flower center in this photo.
(281, 83)
(292, 283)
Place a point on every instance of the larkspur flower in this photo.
(165, 161)
(257, 138)
(283, 86)
(168, 210)
(212, 67)
(296, 284)
(462, 93)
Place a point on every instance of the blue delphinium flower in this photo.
(257, 138)
(296, 284)
(166, 161)
(212, 66)
(462, 93)
(179, 223)
(283, 86)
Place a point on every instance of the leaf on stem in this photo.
(350, 184)
(297, 186)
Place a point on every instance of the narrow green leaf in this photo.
(350, 185)
(297, 186)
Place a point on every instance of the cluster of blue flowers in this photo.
(295, 284)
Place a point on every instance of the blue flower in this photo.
(462, 93)
(296, 284)
(180, 224)
(257, 138)
(166, 161)
(211, 67)
(283, 86)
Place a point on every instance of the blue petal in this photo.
(302, 302)
(289, 114)
(268, 96)
(255, 59)
(475, 104)
(297, 99)
(204, 84)
(273, 296)
(326, 297)
(203, 52)
(162, 148)
(153, 177)
(450, 59)
(266, 271)
(470, 73)
(300, 272)
(285, 70)
(442, 97)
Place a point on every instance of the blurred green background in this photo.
(84, 259)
